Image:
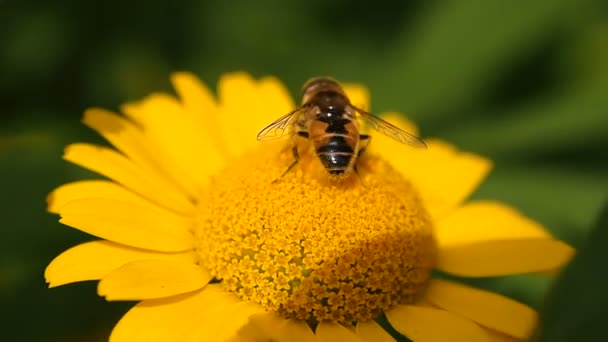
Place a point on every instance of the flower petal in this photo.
(164, 319)
(247, 106)
(223, 313)
(121, 133)
(269, 326)
(130, 224)
(297, 331)
(130, 140)
(199, 102)
(94, 260)
(178, 135)
(484, 220)
(444, 176)
(372, 332)
(499, 337)
(424, 324)
(485, 308)
(330, 332)
(113, 165)
(150, 279)
(358, 95)
(504, 257)
(210, 314)
(404, 123)
(92, 189)
(448, 176)
(195, 95)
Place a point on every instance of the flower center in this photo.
(338, 251)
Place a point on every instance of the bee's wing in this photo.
(389, 129)
(281, 126)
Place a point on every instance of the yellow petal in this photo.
(92, 189)
(199, 102)
(178, 135)
(160, 320)
(358, 95)
(113, 165)
(498, 337)
(227, 320)
(247, 106)
(297, 331)
(444, 176)
(372, 332)
(404, 123)
(424, 324)
(94, 260)
(332, 332)
(485, 220)
(130, 140)
(223, 314)
(488, 309)
(269, 326)
(121, 133)
(196, 97)
(210, 314)
(150, 279)
(130, 224)
(260, 327)
(504, 257)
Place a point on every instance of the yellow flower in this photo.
(192, 225)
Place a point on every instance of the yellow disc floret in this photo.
(339, 251)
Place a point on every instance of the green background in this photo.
(523, 82)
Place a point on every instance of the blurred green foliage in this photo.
(521, 82)
(573, 313)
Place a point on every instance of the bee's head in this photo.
(319, 84)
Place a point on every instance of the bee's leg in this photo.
(359, 176)
(364, 140)
(296, 159)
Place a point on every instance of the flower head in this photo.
(201, 224)
(293, 245)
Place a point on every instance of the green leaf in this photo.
(559, 123)
(577, 307)
(459, 47)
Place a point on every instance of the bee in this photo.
(329, 121)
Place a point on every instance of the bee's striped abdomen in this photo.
(336, 154)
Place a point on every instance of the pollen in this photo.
(338, 250)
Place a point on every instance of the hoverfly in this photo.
(328, 119)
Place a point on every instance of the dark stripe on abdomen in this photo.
(336, 155)
(335, 143)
